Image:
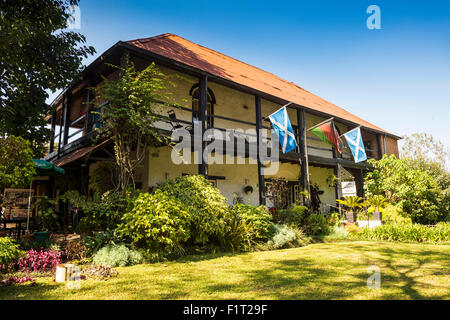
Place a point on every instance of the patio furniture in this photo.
(175, 123)
(17, 230)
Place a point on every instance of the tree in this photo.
(425, 150)
(35, 55)
(353, 203)
(16, 163)
(132, 104)
(417, 192)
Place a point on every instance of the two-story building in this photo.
(222, 93)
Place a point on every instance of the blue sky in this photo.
(397, 77)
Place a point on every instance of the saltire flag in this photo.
(327, 133)
(282, 126)
(355, 142)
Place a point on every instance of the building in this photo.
(230, 94)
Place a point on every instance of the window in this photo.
(209, 109)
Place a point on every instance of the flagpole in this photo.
(332, 118)
(350, 130)
(305, 146)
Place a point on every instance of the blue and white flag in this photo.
(354, 140)
(282, 126)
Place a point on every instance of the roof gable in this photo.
(184, 51)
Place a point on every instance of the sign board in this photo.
(348, 188)
(15, 201)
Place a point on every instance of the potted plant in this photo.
(47, 218)
(352, 203)
(378, 203)
(248, 189)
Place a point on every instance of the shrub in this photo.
(9, 252)
(295, 216)
(317, 224)
(103, 211)
(333, 219)
(286, 237)
(42, 260)
(76, 250)
(244, 227)
(408, 233)
(258, 219)
(158, 222)
(101, 239)
(417, 191)
(206, 206)
(337, 232)
(116, 256)
(394, 215)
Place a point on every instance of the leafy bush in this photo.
(9, 252)
(258, 218)
(158, 222)
(42, 260)
(394, 215)
(337, 232)
(333, 219)
(103, 212)
(117, 256)
(408, 233)
(16, 162)
(418, 192)
(317, 224)
(101, 239)
(245, 227)
(206, 206)
(286, 237)
(295, 216)
(76, 250)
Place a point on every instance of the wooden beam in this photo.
(261, 185)
(63, 108)
(52, 138)
(380, 152)
(301, 144)
(67, 118)
(202, 108)
(87, 120)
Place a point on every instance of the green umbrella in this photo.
(45, 168)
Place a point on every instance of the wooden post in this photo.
(380, 152)
(261, 184)
(202, 108)
(306, 159)
(361, 182)
(301, 145)
(63, 108)
(52, 138)
(87, 120)
(67, 118)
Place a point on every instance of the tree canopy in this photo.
(419, 193)
(133, 101)
(37, 53)
(16, 162)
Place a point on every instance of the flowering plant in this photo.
(42, 260)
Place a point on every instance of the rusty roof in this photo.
(184, 51)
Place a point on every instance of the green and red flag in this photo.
(327, 132)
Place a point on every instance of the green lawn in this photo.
(336, 270)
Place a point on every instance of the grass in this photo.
(336, 270)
